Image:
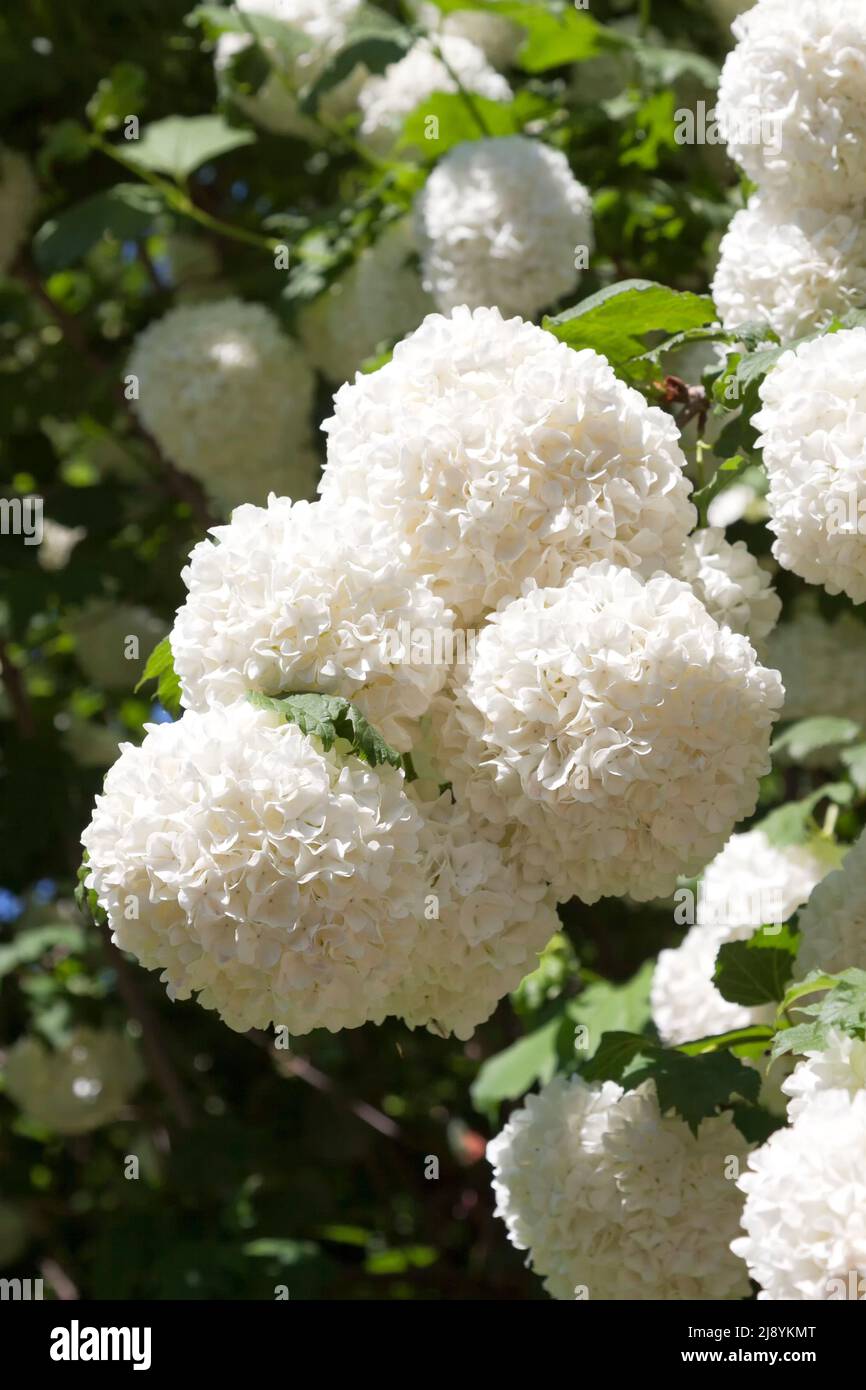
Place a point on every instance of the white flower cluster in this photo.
(812, 424)
(19, 196)
(833, 924)
(227, 397)
(298, 596)
(614, 729)
(77, 1088)
(501, 222)
(803, 1216)
(790, 106)
(730, 583)
(793, 268)
(499, 454)
(442, 64)
(498, 39)
(750, 884)
(325, 26)
(379, 298)
(614, 1200)
(822, 665)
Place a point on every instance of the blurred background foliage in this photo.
(260, 1167)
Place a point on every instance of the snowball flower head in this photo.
(385, 101)
(498, 39)
(81, 1086)
(804, 1215)
(19, 197)
(499, 454)
(614, 1200)
(325, 25)
(840, 1066)
(822, 665)
(790, 100)
(751, 882)
(813, 425)
(618, 725)
(794, 269)
(378, 299)
(499, 222)
(731, 584)
(227, 397)
(275, 879)
(833, 923)
(295, 596)
(487, 921)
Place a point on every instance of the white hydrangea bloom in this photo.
(833, 923)
(378, 299)
(227, 397)
(790, 100)
(618, 725)
(81, 1086)
(488, 921)
(298, 596)
(615, 1201)
(19, 198)
(57, 544)
(326, 26)
(840, 1066)
(794, 269)
(804, 1215)
(822, 665)
(102, 632)
(498, 39)
(812, 427)
(499, 222)
(387, 99)
(499, 454)
(731, 584)
(751, 883)
(277, 880)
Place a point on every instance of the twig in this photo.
(55, 1275)
(290, 1064)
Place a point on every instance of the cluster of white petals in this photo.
(615, 728)
(227, 397)
(822, 665)
(275, 879)
(387, 99)
(102, 632)
(325, 24)
(839, 1066)
(498, 39)
(750, 884)
(730, 583)
(790, 100)
(498, 454)
(614, 1200)
(486, 924)
(19, 196)
(804, 1214)
(77, 1088)
(794, 269)
(378, 299)
(299, 597)
(833, 924)
(502, 222)
(813, 424)
(57, 544)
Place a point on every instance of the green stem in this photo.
(468, 100)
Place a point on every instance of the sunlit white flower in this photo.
(498, 39)
(839, 1066)
(731, 584)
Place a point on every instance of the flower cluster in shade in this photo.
(77, 1087)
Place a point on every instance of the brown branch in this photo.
(290, 1064)
(55, 1275)
(15, 689)
(154, 1049)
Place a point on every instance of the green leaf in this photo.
(842, 1009)
(808, 735)
(615, 321)
(746, 1042)
(178, 145)
(327, 718)
(756, 971)
(555, 33)
(459, 120)
(86, 899)
(32, 943)
(616, 1053)
(373, 44)
(794, 823)
(755, 1123)
(127, 212)
(854, 760)
(605, 1008)
(117, 96)
(160, 668)
(511, 1073)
